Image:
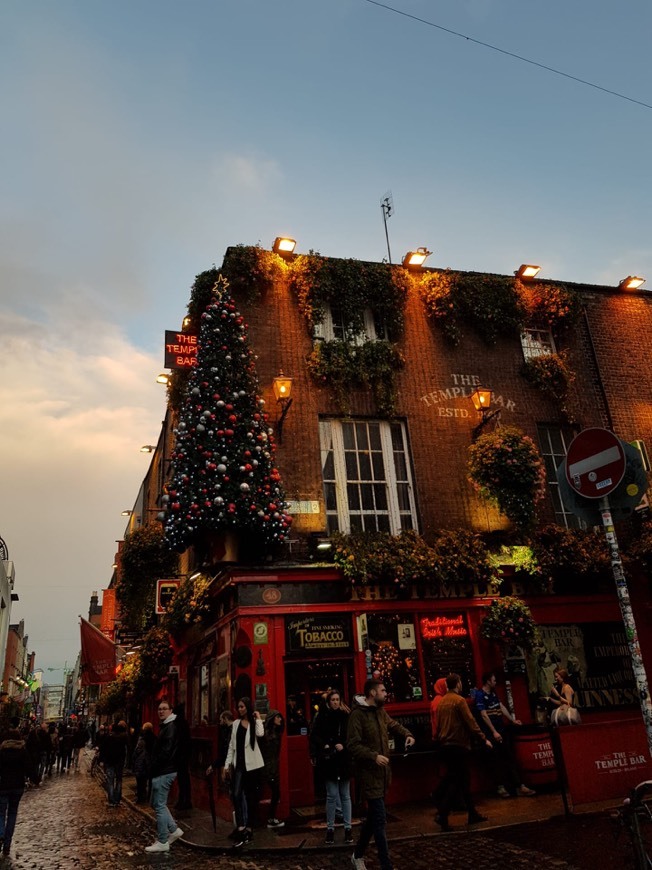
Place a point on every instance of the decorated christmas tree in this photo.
(223, 460)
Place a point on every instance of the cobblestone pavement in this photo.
(66, 824)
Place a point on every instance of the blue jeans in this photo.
(374, 825)
(338, 789)
(165, 824)
(9, 801)
(114, 784)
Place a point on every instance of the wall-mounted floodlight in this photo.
(283, 245)
(415, 259)
(631, 282)
(527, 272)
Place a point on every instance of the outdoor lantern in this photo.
(126, 513)
(185, 323)
(283, 245)
(414, 259)
(631, 282)
(163, 378)
(283, 392)
(282, 387)
(147, 448)
(481, 398)
(528, 271)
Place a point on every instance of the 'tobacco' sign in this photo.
(595, 463)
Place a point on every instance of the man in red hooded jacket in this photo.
(440, 691)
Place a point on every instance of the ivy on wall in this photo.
(354, 286)
(144, 559)
(551, 374)
(343, 367)
(251, 271)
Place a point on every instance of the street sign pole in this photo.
(628, 619)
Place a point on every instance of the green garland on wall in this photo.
(551, 374)
(344, 367)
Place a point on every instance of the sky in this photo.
(140, 140)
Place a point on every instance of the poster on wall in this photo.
(596, 656)
(305, 634)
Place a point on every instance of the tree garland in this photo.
(190, 605)
(144, 559)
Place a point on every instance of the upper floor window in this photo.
(537, 342)
(554, 442)
(336, 327)
(366, 474)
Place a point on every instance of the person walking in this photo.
(368, 742)
(79, 741)
(244, 762)
(328, 747)
(15, 766)
(115, 754)
(456, 728)
(164, 772)
(141, 762)
(274, 728)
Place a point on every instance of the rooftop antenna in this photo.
(387, 208)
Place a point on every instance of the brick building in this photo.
(283, 632)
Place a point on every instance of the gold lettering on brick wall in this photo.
(462, 387)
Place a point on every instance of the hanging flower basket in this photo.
(508, 621)
(505, 468)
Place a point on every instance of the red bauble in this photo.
(232, 418)
(229, 433)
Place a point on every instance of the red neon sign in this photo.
(443, 626)
(180, 350)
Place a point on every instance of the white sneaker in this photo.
(158, 847)
(358, 863)
(175, 836)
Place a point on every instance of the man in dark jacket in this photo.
(164, 772)
(368, 743)
(115, 753)
(15, 765)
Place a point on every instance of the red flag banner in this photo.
(97, 656)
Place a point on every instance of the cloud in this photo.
(246, 173)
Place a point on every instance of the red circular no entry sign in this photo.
(595, 463)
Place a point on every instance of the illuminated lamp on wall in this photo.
(527, 272)
(282, 387)
(481, 398)
(163, 378)
(631, 282)
(284, 246)
(416, 259)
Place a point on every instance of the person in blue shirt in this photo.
(497, 722)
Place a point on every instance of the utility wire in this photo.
(509, 53)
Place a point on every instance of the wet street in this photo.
(66, 824)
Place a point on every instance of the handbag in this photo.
(565, 715)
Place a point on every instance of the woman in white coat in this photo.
(244, 764)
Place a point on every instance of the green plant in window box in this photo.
(506, 469)
(551, 374)
(344, 367)
(508, 621)
(572, 560)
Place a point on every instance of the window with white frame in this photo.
(554, 442)
(366, 474)
(536, 343)
(336, 327)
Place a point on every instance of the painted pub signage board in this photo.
(604, 760)
(317, 633)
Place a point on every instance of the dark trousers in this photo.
(374, 826)
(9, 801)
(114, 783)
(245, 797)
(456, 780)
(275, 795)
(502, 763)
(142, 788)
(184, 800)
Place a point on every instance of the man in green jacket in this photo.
(368, 743)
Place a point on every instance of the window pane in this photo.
(392, 640)
(403, 495)
(367, 497)
(406, 522)
(333, 524)
(399, 466)
(380, 491)
(329, 467)
(347, 435)
(379, 466)
(556, 442)
(551, 471)
(397, 436)
(353, 497)
(374, 436)
(446, 646)
(383, 522)
(361, 433)
(355, 521)
(351, 465)
(330, 496)
(365, 466)
(369, 522)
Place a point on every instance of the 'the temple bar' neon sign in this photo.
(180, 350)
